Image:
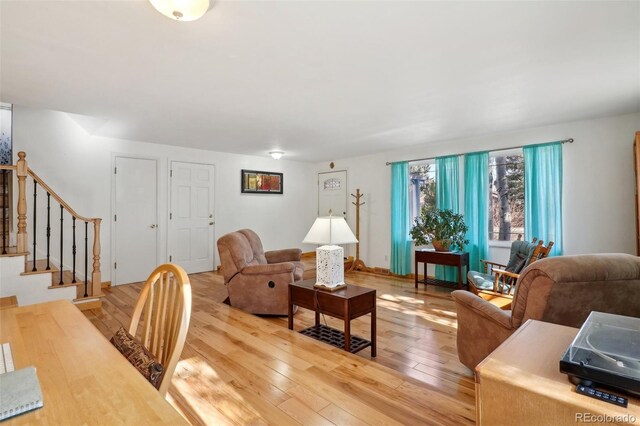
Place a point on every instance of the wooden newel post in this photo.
(21, 172)
(96, 276)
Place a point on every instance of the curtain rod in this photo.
(570, 140)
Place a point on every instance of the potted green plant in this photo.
(442, 228)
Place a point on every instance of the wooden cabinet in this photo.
(520, 383)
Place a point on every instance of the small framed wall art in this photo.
(257, 182)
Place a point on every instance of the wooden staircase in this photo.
(67, 280)
(61, 271)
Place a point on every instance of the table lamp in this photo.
(330, 231)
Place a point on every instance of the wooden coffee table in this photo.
(346, 304)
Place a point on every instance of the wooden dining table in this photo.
(84, 379)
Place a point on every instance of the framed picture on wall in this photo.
(260, 182)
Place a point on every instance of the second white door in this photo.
(191, 217)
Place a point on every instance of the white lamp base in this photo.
(330, 267)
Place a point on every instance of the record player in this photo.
(606, 352)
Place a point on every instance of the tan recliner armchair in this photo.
(561, 290)
(257, 281)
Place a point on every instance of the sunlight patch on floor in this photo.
(392, 306)
(444, 312)
(401, 299)
(211, 399)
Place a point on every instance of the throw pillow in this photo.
(138, 356)
(518, 265)
(532, 249)
(518, 249)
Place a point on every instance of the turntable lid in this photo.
(608, 342)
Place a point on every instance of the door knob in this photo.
(153, 226)
(211, 223)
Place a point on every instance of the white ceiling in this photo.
(321, 80)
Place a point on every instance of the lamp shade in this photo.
(330, 230)
(181, 10)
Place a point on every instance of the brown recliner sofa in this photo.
(561, 290)
(257, 281)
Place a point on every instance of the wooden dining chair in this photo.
(163, 310)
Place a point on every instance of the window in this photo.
(6, 111)
(422, 187)
(506, 195)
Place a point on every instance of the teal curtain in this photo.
(400, 240)
(476, 206)
(447, 197)
(543, 194)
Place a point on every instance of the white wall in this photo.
(78, 167)
(598, 190)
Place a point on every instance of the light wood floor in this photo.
(238, 368)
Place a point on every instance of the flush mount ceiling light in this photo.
(181, 10)
(276, 155)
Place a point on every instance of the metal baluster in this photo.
(5, 199)
(61, 242)
(73, 249)
(35, 197)
(86, 257)
(48, 230)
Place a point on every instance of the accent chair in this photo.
(501, 279)
(561, 290)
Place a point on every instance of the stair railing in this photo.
(22, 171)
(6, 176)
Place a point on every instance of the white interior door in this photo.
(135, 220)
(332, 193)
(191, 218)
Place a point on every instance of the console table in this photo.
(348, 303)
(520, 383)
(447, 258)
